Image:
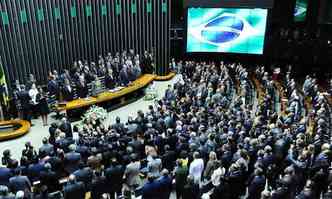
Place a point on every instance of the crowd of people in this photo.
(205, 138)
(83, 79)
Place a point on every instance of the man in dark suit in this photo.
(49, 178)
(118, 126)
(124, 78)
(98, 186)
(168, 158)
(83, 174)
(25, 99)
(82, 88)
(66, 127)
(46, 149)
(67, 91)
(52, 87)
(191, 190)
(72, 159)
(235, 180)
(63, 143)
(109, 79)
(5, 174)
(57, 163)
(19, 182)
(74, 189)
(34, 170)
(52, 131)
(114, 176)
(150, 189)
(147, 63)
(164, 184)
(256, 185)
(181, 173)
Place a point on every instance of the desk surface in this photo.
(141, 82)
(24, 128)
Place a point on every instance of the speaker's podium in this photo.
(109, 99)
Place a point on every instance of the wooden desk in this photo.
(23, 129)
(165, 78)
(107, 95)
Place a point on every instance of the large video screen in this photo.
(230, 30)
(300, 11)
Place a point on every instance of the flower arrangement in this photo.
(95, 113)
(150, 93)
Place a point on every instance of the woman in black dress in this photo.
(43, 106)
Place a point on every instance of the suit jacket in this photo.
(25, 100)
(66, 128)
(221, 191)
(52, 87)
(34, 170)
(51, 180)
(57, 165)
(150, 190)
(119, 127)
(235, 180)
(109, 82)
(64, 143)
(168, 160)
(68, 95)
(191, 191)
(5, 174)
(256, 187)
(124, 77)
(52, 130)
(132, 173)
(46, 149)
(114, 176)
(98, 187)
(84, 175)
(71, 161)
(19, 183)
(75, 190)
(82, 90)
(164, 185)
(84, 151)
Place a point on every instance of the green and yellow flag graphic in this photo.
(3, 86)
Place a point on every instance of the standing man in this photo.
(196, 168)
(25, 98)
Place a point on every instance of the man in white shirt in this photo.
(196, 168)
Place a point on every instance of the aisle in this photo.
(38, 131)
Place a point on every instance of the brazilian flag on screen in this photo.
(300, 11)
(3, 86)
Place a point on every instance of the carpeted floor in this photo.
(38, 131)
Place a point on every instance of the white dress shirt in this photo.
(196, 169)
